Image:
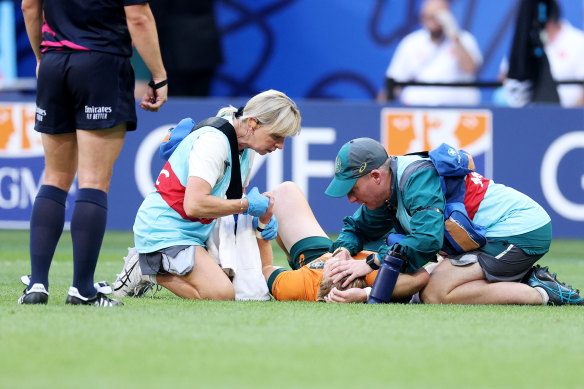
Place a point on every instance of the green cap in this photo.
(355, 159)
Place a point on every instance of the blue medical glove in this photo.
(270, 231)
(258, 203)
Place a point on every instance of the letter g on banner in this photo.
(549, 175)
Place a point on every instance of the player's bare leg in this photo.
(291, 205)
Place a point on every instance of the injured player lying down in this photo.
(307, 247)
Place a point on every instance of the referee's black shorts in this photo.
(84, 90)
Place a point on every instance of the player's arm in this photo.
(265, 246)
(409, 284)
(144, 35)
(406, 286)
(32, 11)
(267, 257)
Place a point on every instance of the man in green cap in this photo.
(367, 175)
(402, 207)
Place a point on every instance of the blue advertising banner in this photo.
(539, 151)
(329, 48)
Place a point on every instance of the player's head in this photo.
(269, 117)
(326, 285)
(358, 169)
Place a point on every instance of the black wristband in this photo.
(261, 226)
(370, 260)
(154, 86)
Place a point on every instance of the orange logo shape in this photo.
(18, 138)
(409, 130)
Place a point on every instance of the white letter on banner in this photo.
(549, 175)
(143, 162)
(28, 188)
(11, 174)
(274, 168)
(302, 167)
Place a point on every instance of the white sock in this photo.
(544, 296)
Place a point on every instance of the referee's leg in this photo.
(98, 151)
(48, 211)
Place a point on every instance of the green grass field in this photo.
(167, 342)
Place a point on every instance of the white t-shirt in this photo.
(417, 58)
(566, 57)
(208, 157)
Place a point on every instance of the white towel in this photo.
(240, 253)
(221, 243)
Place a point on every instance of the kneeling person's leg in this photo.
(206, 279)
(472, 278)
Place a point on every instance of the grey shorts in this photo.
(177, 260)
(500, 262)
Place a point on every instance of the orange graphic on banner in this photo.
(6, 127)
(400, 129)
(27, 123)
(470, 129)
(17, 135)
(409, 130)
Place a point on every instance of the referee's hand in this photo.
(154, 98)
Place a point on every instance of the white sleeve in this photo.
(579, 50)
(398, 68)
(207, 157)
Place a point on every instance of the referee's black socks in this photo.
(87, 229)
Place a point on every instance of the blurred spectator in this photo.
(439, 52)
(564, 47)
(190, 42)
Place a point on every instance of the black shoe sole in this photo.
(98, 301)
(35, 298)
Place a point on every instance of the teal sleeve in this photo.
(421, 194)
(365, 225)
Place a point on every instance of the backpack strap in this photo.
(411, 169)
(423, 154)
(391, 207)
(234, 191)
